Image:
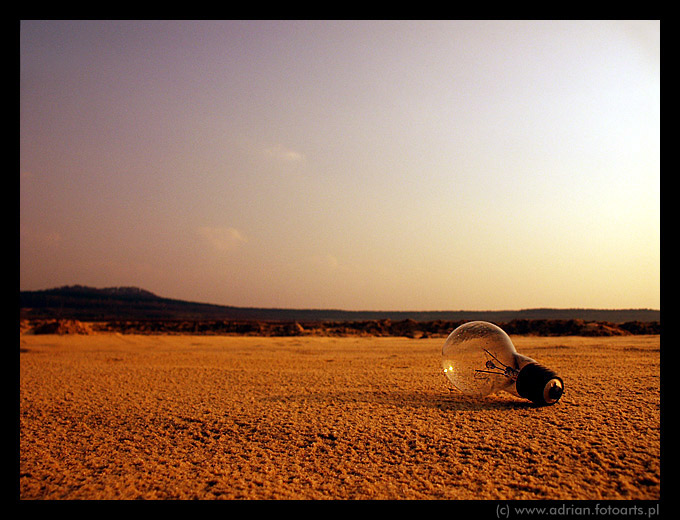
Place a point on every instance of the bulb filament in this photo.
(506, 370)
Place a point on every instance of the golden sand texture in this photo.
(109, 416)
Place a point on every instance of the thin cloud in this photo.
(326, 263)
(282, 153)
(222, 238)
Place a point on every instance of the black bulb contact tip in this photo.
(555, 391)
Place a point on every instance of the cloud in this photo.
(282, 153)
(325, 263)
(221, 238)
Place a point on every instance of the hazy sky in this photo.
(396, 165)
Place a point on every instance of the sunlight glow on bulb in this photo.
(479, 359)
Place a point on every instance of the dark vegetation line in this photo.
(133, 310)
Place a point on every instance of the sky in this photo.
(357, 165)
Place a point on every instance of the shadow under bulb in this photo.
(479, 359)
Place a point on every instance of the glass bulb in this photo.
(479, 359)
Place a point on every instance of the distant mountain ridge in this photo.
(123, 292)
(132, 303)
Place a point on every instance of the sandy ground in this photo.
(182, 417)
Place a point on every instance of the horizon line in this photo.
(340, 309)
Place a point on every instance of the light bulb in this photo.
(479, 359)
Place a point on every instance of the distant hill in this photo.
(131, 303)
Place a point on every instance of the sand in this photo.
(112, 416)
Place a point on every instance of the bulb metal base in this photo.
(539, 384)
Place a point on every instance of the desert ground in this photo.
(111, 416)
